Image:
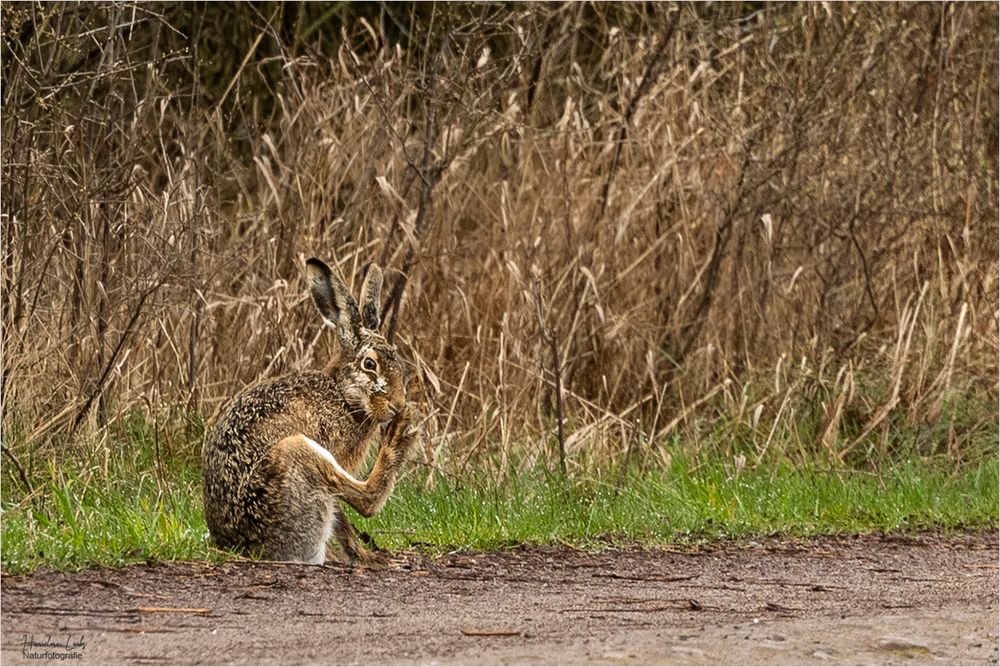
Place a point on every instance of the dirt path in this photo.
(925, 600)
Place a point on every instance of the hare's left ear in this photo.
(335, 303)
(371, 297)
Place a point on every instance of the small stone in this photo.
(776, 646)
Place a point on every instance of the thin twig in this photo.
(550, 337)
(99, 387)
(19, 468)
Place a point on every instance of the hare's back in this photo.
(271, 410)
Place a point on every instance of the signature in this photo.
(70, 648)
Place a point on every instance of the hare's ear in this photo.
(335, 303)
(371, 297)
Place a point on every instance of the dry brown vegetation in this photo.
(756, 230)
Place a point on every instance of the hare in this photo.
(285, 452)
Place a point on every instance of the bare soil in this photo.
(860, 600)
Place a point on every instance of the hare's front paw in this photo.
(406, 416)
(401, 433)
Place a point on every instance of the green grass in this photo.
(80, 516)
(689, 503)
(75, 522)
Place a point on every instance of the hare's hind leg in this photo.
(304, 511)
(334, 475)
(319, 471)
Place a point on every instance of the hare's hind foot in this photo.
(352, 550)
(373, 560)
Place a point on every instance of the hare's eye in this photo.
(369, 364)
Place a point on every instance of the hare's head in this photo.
(366, 365)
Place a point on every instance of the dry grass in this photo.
(762, 234)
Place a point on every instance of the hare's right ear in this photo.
(335, 303)
(371, 297)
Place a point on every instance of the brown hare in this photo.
(285, 452)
